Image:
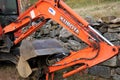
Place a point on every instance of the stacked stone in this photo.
(50, 30)
(110, 28)
(24, 4)
(107, 26)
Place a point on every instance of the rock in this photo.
(114, 30)
(108, 19)
(58, 31)
(90, 19)
(66, 45)
(116, 77)
(49, 22)
(119, 58)
(83, 45)
(96, 24)
(116, 43)
(119, 36)
(114, 25)
(54, 27)
(103, 29)
(37, 35)
(77, 39)
(118, 61)
(52, 34)
(48, 26)
(54, 23)
(46, 31)
(74, 44)
(113, 71)
(59, 26)
(117, 20)
(99, 21)
(112, 36)
(100, 71)
(65, 33)
(117, 71)
(111, 62)
(63, 39)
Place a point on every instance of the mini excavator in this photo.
(47, 56)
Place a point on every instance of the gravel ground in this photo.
(8, 72)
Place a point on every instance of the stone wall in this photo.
(107, 26)
(110, 69)
(24, 4)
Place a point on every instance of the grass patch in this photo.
(98, 11)
(33, 1)
(86, 3)
(83, 3)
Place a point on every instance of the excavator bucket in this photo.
(32, 49)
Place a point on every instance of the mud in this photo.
(8, 71)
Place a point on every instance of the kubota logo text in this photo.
(71, 26)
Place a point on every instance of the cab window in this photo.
(8, 7)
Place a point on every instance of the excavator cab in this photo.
(9, 11)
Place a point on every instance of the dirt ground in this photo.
(8, 71)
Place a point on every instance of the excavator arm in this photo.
(99, 48)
